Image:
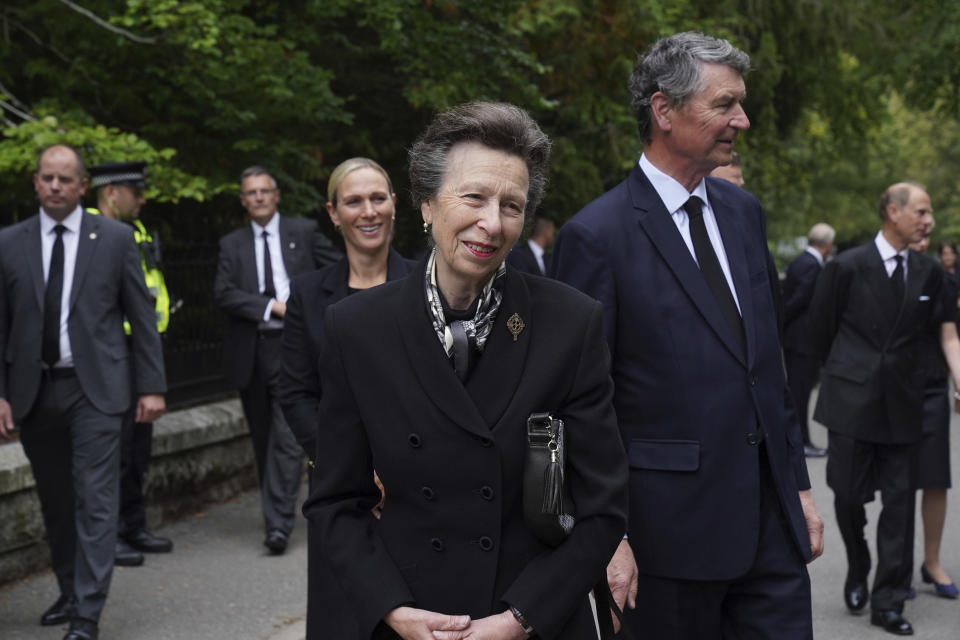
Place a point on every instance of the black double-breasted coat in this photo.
(452, 537)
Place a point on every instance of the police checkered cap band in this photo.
(114, 178)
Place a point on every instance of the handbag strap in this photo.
(606, 604)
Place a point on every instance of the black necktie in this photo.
(710, 268)
(896, 278)
(51, 301)
(268, 289)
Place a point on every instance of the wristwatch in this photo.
(527, 629)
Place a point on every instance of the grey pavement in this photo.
(220, 583)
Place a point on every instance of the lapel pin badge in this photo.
(93, 236)
(293, 245)
(515, 325)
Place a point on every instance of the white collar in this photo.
(886, 249)
(816, 254)
(71, 222)
(272, 227)
(673, 194)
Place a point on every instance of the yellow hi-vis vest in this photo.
(150, 263)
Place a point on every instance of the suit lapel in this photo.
(335, 282)
(33, 252)
(916, 275)
(497, 375)
(659, 226)
(86, 247)
(428, 360)
(732, 235)
(289, 246)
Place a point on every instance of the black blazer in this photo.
(521, 257)
(872, 382)
(236, 289)
(452, 537)
(798, 288)
(687, 399)
(310, 295)
(107, 287)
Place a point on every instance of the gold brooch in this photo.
(515, 325)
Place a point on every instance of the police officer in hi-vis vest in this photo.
(119, 187)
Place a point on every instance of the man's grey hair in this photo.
(898, 194)
(821, 235)
(673, 66)
(497, 125)
(257, 170)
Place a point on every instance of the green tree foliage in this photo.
(202, 89)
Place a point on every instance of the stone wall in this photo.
(200, 455)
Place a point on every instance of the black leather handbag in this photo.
(547, 507)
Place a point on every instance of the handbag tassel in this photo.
(553, 487)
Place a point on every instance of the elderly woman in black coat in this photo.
(430, 380)
(362, 206)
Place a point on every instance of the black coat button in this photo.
(486, 492)
(753, 381)
(753, 439)
(427, 492)
(414, 440)
(437, 544)
(485, 543)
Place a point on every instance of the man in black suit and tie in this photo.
(68, 280)
(870, 310)
(531, 256)
(803, 365)
(252, 286)
(721, 517)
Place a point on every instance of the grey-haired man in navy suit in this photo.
(721, 516)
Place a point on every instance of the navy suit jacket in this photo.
(797, 292)
(685, 396)
(521, 257)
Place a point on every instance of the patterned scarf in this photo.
(478, 328)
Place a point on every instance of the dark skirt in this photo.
(933, 468)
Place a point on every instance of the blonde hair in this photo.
(345, 167)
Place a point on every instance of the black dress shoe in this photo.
(855, 595)
(811, 451)
(146, 542)
(276, 541)
(82, 629)
(892, 622)
(124, 556)
(59, 613)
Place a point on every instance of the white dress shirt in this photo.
(538, 254)
(71, 240)
(887, 253)
(674, 195)
(281, 282)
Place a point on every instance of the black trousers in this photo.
(74, 452)
(802, 374)
(772, 600)
(854, 469)
(279, 457)
(136, 443)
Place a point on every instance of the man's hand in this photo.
(502, 626)
(814, 524)
(278, 309)
(419, 624)
(622, 578)
(6, 420)
(150, 407)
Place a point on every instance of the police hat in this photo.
(131, 173)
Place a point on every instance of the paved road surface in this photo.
(219, 583)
